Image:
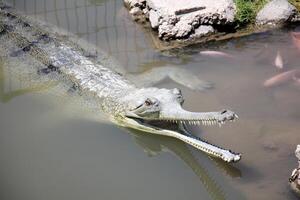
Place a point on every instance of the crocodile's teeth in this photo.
(220, 124)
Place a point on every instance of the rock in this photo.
(165, 31)
(182, 29)
(137, 14)
(221, 10)
(186, 15)
(178, 19)
(202, 30)
(275, 12)
(135, 3)
(136, 11)
(154, 19)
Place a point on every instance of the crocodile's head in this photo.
(160, 111)
(149, 105)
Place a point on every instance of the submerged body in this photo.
(150, 109)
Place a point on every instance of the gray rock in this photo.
(154, 19)
(166, 31)
(136, 11)
(178, 19)
(182, 16)
(182, 29)
(135, 3)
(276, 11)
(202, 30)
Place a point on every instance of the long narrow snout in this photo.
(181, 116)
(206, 118)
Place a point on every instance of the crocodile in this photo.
(149, 109)
(295, 176)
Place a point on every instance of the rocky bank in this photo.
(183, 22)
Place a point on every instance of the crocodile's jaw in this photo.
(159, 111)
(180, 132)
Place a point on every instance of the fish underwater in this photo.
(278, 62)
(216, 54)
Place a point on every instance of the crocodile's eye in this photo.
(148, 102)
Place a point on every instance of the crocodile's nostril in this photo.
(223, 111)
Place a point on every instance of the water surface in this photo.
(54, 145)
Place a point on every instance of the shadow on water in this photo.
(154, 144)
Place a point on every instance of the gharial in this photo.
(150, 109)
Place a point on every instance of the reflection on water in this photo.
(101, 22)
(53, 148)
(153, 145)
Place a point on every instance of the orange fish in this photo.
(282, 78)
(278, 62)
(216, 54)
(296, 39)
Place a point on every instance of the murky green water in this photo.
(55, 146)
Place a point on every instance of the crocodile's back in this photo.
(57, 56)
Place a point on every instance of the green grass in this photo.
(247, 10)
(296, 3)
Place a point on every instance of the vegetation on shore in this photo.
(247, 10)
(296, 3)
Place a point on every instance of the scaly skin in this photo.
(149, 109)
